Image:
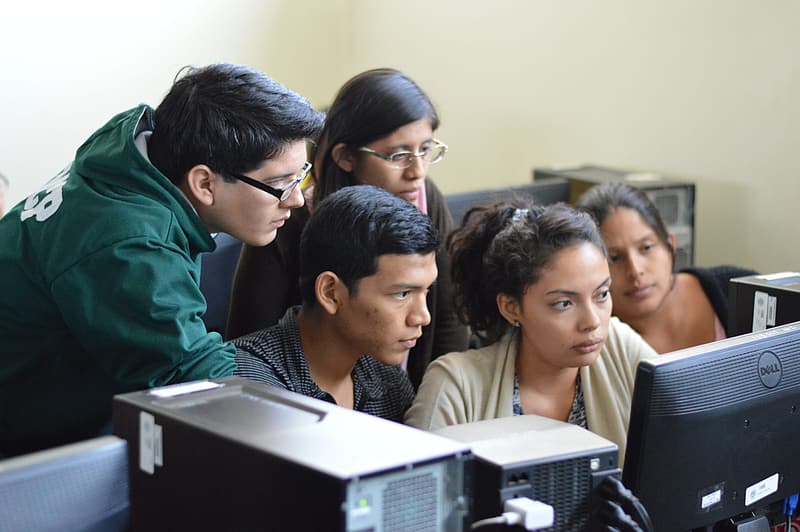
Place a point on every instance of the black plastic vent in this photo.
(556, 484)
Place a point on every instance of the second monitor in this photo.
(714, 429)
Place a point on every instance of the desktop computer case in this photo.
(543, 459)
(759, 302)
(342, 470)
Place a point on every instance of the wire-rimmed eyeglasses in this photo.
(431, 154)
(281, 193)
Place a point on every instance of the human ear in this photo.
(509, 308)
(328, 291)
(673, 243)
(343, 157)
(200, 184)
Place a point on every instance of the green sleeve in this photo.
(136, 308)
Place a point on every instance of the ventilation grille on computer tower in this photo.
(668, 207)
(411, 504)
(557, 484)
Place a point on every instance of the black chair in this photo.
(216, 280)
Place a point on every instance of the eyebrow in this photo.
(277, 177)
(407, 147)
(606, 282)
(406, 286)
(649, 236)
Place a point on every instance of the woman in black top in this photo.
(670, 310)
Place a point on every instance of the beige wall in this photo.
(706, 90)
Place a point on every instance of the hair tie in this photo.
(518, 215)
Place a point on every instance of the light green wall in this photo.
(706, 90)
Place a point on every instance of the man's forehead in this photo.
(404, 267)
(392, 259)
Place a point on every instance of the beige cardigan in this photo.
(479, 384)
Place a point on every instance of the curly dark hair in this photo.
(502, 249)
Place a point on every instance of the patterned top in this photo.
(577, 414)
(275, 356)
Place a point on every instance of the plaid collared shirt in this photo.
(275, 356)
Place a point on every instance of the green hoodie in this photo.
(99, 276)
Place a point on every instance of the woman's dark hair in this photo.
(368, 107)
(229, 117)
(601, 200)
(503, 249)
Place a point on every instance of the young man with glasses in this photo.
(101, 267)
(364, 305)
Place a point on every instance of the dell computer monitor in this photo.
(714, 429)
(542, 192)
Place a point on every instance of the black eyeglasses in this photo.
(280, 193)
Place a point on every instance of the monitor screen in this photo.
(714, 429)
(544, 191)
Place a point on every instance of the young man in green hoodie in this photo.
(100, 269)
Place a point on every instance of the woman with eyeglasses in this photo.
(378, 131)
(534, 282)
(670, 310)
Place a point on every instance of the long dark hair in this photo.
(368, 107)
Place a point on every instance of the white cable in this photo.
(533, 515)
(508, 518)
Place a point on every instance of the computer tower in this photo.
(758, 302)
(673, 197)
(541, 458)
(232, 454)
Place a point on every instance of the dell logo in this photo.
(769, 369)
(766, 370)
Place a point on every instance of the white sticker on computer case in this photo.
(711, 499)
(772, 304)
(146, 449)
(760, 302)
(759, 490)
(158, 446)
